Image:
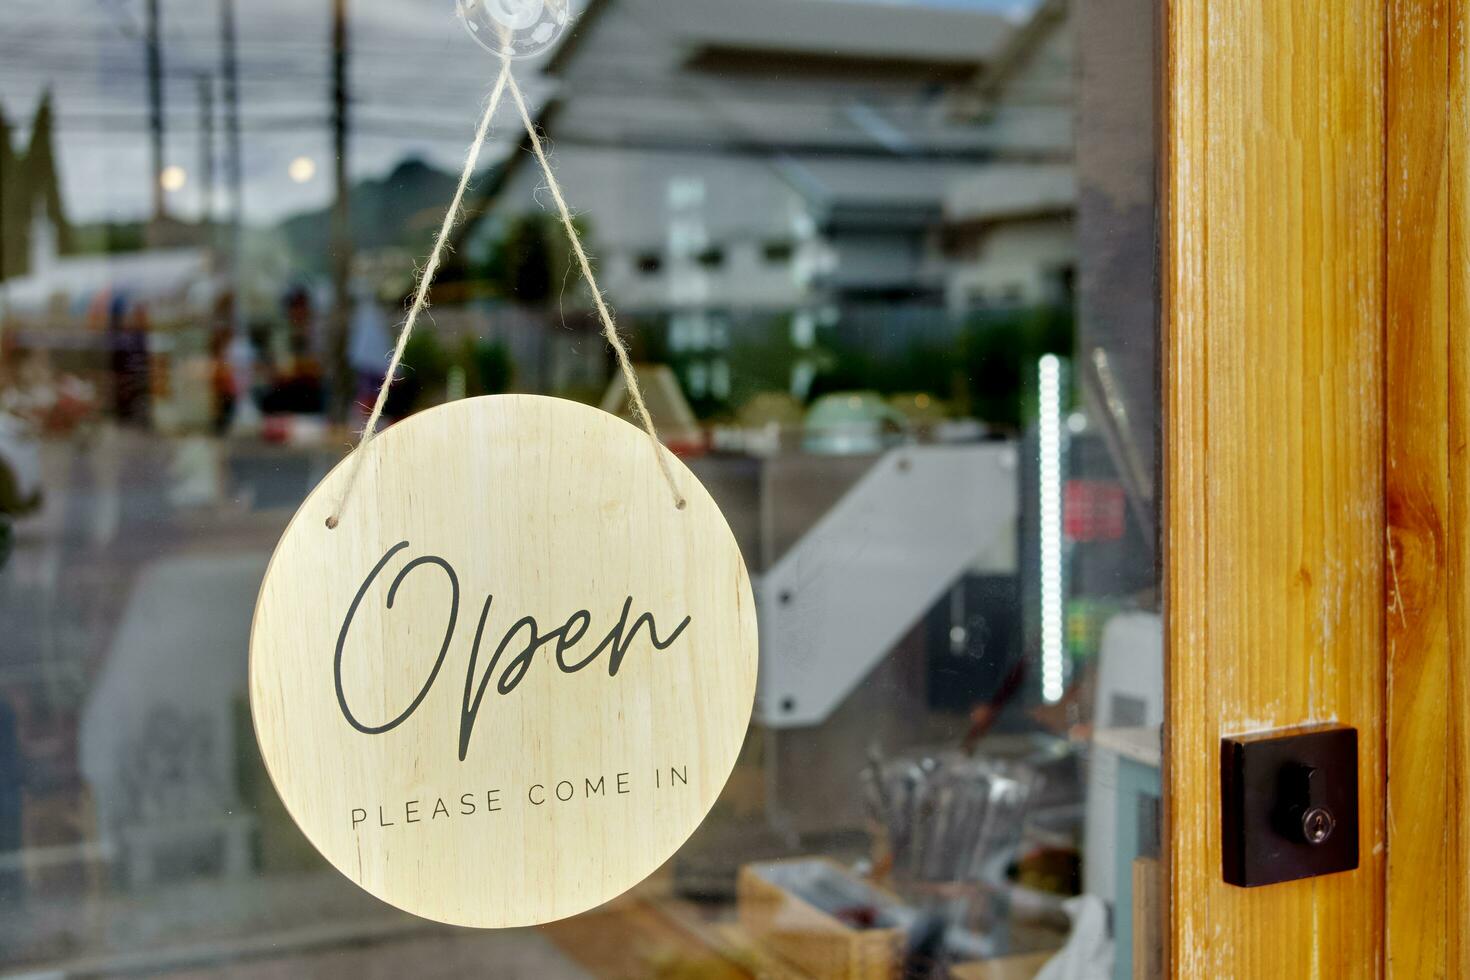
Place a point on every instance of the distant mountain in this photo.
(403, 209)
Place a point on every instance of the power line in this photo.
(393, 89)
(126, 25)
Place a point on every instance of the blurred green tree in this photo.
(530, 261)
(29, 180)
(999, 352)
(988, 372)
(487, 364)
(12, 228)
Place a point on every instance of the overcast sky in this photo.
(417, 82)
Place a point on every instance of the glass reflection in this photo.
(888, 274)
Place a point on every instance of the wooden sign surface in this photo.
(515, 678)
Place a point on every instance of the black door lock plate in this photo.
(1290, 804)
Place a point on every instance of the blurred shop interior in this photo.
(889, 274)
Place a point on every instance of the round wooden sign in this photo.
(515, 677)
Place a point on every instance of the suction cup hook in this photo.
(515, 28)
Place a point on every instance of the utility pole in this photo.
(153, 47)
(206, 148)
(234, 174)
(338, 371)
(230, 77)
(241, 357)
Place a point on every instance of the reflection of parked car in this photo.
(853, 423)
(20, 467)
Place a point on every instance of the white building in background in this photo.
(806, 158)
(1013, 236)
(760, 154)
(1012, 223)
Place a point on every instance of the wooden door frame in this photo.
(1274, 247)
(1427, 479)
(1316, 384)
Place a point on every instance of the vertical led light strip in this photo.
(1049, 432)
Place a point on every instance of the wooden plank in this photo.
(1147, 942)
(1422, 881)
(633, 937)
(1273, 252)
(1458, 141)
(1023, 966)
(786, 926)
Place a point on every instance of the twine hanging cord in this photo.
(506, 82)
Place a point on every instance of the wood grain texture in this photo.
(1457, 924)
(602, 739)
(635, 937)
(1420, 894)
(1426, 485)
(1148, 920)
(1273, 246)
(789, 929)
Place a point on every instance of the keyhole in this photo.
(1317, 825)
